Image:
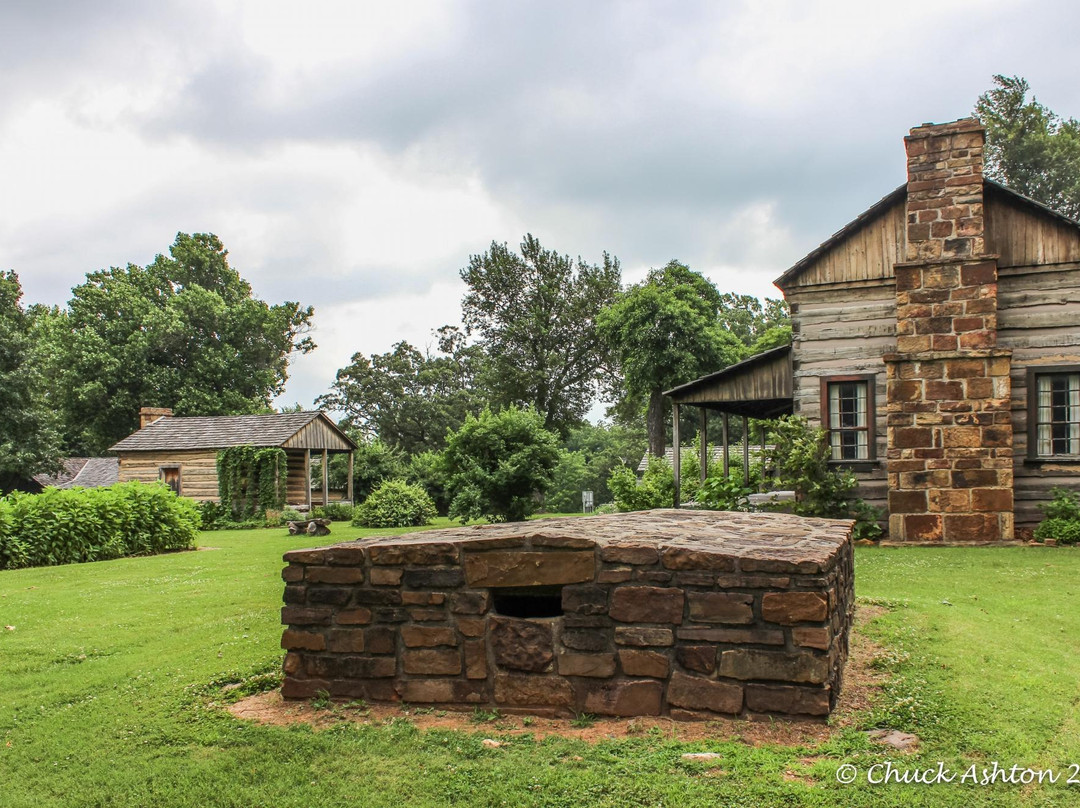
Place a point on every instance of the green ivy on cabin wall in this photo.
(251, 479)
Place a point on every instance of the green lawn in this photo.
(107, 678)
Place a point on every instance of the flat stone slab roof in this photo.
(719, 540)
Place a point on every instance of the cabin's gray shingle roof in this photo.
(97, 472)
(86, 472)
(71, 467)
(216, 432)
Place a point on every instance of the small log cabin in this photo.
(937, 339)
(182, 452)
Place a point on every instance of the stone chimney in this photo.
(949, 457)
(147, 415)
(945, 190)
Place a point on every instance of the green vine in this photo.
(251, 479)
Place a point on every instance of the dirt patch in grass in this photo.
(861, 684)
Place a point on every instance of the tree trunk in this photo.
(654, 423)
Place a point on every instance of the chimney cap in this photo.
(150, 415)
(969, 124)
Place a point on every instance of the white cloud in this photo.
(354, 154)
(370, 327)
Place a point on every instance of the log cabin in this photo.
(936, 338)
(182, 452)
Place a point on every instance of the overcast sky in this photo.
(353, 155)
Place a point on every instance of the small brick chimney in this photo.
(147, 415)
(949, 457)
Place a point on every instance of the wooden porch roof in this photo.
(758, 387)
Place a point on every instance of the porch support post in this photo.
(325, 477)
(703, 432)
(349, 484)
(676, 458)
(724, 439)
(746, 451)
(762, 458)
(307, 479)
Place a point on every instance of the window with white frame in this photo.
(1056, 412)
(849, 417)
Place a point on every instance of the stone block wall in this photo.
(681, 613)
(949, 428)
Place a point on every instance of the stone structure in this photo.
(681, 613)
(949, 429)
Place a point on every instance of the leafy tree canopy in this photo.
(666, 331)
(184, 332)
(29, 434)
(750, 319)
(498, 463)
(1029, 148)
(407, 399)
(536, 315)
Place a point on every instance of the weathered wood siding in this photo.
(769, 379)
(296, 482)
(1023, 236)
(198, 470)
(868, 253)
(841, 330)
(317, 435)
(1039, 319)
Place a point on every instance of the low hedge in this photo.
(67, 526)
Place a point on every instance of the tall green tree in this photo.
(1029, 148)
(184, 332)
(750, 318)
(29, 433)
(666, 331)
(408, 399)
(535, 313)
(497, 464)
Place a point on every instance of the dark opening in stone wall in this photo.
(528, 601)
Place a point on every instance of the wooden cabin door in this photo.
(170, 475)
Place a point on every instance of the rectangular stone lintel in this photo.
(503, 568)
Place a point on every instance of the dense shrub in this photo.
(1062, 520)
(1065, 531)
(64, 526)
(13, 551)
(655, 490)
(374, 462)
(604, 448)
(1064, 505)
(428, 470)
(657, 486)
(800, 459)
(570, 478)
(215, 516)
(497, 465)
(720, 493)
(395, 503)
(335, 512)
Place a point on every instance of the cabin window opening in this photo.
(170, 475)
(1057, 414)
(528, 602)
(849, 415)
